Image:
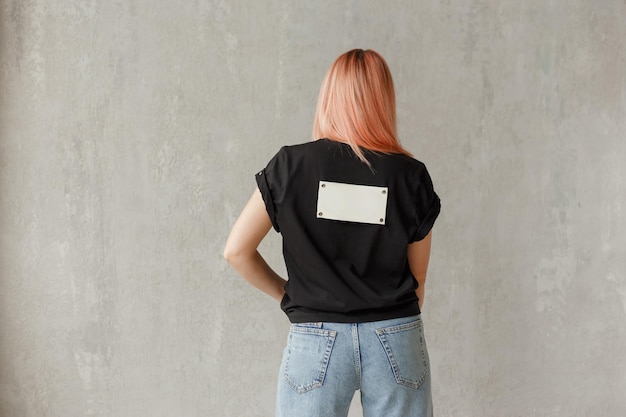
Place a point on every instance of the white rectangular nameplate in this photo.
(351, 202)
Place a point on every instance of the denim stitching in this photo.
(317, 324)
(399, 327)
(357, 354)
(319, 380)
(381, 333)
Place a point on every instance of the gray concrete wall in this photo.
(129, 135)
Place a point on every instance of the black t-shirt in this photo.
(345, 229)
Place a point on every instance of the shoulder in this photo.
(411, 163)
(300, 150)
(413, 171)
(303, 147)
(419, 171)
(405, 163)
(288, 156)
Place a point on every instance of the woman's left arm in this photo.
(241, 252)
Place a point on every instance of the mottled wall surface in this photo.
(129, 135)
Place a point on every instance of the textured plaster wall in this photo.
(129, 135)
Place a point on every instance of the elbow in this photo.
(230, 254)
(234, 255)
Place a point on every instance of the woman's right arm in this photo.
(419, 254)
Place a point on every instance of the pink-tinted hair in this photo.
(357, 104)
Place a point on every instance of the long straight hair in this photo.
(357, 104)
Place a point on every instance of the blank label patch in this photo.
(352, 203)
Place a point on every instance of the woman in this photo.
(355, 211)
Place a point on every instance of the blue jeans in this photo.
(324, 363)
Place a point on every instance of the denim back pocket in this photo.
(308, 353)
(406, 350)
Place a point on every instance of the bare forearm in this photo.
(420, 292)
(419, 254)
(258, 273)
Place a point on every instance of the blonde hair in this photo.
(357, 104)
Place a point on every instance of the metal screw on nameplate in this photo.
(381, 220)
(384, 192)
(320, 213)
(323, 185)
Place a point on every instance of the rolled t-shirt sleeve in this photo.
(271, 183)
(428, 205)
